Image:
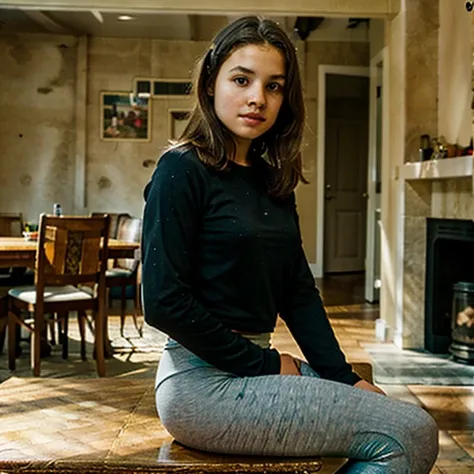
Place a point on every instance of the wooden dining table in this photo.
(18, 252)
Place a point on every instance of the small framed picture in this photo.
(177, 121)
(125, 117)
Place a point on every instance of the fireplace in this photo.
(449, 260)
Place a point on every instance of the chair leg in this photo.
(89, 324)
(139, 296)
(81, 321)
(123, 302)
(99, 342)
(3, 331)
(64, 318)
(136, 305)
(11, 341)
(107, 346)
(36, 344)
(50, 325)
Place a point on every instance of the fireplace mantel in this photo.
(439, 189)
(447, 168)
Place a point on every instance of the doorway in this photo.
(345, 173)
(358, 246)
(370, 191)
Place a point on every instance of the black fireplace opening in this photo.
(449, 260)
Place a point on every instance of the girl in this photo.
(222, 257)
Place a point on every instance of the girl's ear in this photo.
(210, 88)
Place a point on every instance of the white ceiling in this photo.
(160, 26)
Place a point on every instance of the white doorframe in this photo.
(372, 204)
(323, 70)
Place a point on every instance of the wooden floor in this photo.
(353, 322)
(452, 407)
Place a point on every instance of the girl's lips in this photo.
(252, 120)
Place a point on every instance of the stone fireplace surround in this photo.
(449, 260)
(441, 189)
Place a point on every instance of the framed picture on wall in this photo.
(124, 116)
(177, 121)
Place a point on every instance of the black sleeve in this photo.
(307, 321)
(175, 203)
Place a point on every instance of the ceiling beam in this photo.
(193, 28)
(46, 22)
(340, 8)
(97, 15)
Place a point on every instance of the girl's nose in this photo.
(257, 96)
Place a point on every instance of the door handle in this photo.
(365, 195)
(329, 198)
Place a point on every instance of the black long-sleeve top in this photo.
(220, 254)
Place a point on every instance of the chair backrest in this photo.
(71, 251)
(129, 230)
(114, 221)
(11, 225)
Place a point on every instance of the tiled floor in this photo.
(353, 322)
(409, 367)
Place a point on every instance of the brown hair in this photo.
(278, 151)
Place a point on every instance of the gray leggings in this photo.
(205, 408)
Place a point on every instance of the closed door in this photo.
(346, 186)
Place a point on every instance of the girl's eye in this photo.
(241, 81)
(275, 87)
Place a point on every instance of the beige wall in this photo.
(455, 73)
(37, 83)
(115, 174)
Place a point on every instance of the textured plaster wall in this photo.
(110, 188)
(37, 83)
(37, 80)
(115, 175)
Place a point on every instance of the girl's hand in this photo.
(364, 385)
(289, 365)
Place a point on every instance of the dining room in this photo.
(89, 101)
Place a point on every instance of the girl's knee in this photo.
(423, 440)
(430, 433)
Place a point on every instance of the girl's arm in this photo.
(306, 318)
(175, 203)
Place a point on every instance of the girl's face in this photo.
(249, 91)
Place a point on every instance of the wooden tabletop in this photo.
(95, 426)
(18, 252)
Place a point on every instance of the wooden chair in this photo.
(11, 225)
(71, 254)
(124, 271)
(114, 221)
